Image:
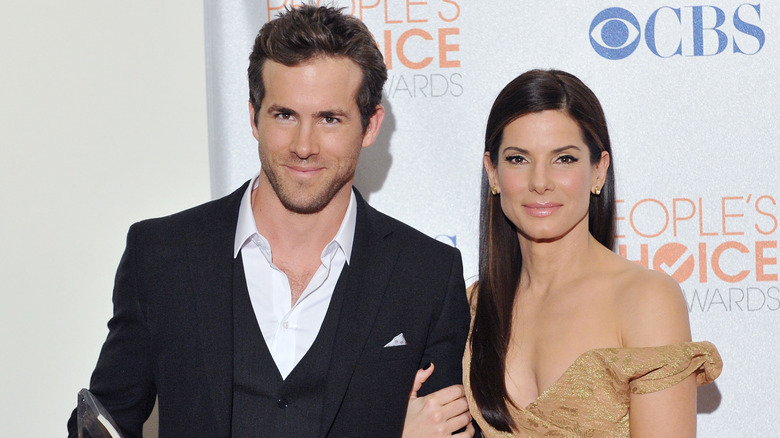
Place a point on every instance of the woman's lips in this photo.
(541, 209)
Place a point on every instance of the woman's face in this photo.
(544, 175)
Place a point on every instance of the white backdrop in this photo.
(691, 94)
(102, 123)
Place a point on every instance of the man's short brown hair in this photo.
(303, 33)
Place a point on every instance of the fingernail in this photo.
(428, 365)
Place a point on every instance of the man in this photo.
(290, 307)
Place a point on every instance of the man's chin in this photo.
(308, 198)
(301, 208)
(304, 204)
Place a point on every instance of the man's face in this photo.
(309, 132)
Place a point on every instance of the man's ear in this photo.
(255, 131)
(372, 129)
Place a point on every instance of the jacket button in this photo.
(282, 403)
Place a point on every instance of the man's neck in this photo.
(292, 234)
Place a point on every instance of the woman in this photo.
(568, 338)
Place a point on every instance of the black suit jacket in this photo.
(171, 332)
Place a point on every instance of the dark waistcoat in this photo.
(264, 405)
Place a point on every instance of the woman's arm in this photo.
(655, 314)
(667, 413)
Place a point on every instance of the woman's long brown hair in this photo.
(500, 259)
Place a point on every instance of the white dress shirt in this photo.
(289, 331)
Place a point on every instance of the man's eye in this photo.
(330, 120)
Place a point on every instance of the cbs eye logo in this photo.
(687, 31)
(614, 33)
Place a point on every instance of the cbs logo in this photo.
(615, 33)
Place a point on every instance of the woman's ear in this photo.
(600, 174)
(492, 173)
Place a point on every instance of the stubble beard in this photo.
(309, 200)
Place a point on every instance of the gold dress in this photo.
(591, 398)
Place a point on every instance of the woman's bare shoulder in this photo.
(652, 308)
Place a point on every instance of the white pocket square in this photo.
(397, 341)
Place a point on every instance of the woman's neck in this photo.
(547, 264)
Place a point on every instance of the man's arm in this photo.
(437, 411)
(122, 380)
(447, 339)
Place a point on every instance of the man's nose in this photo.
(304, 144)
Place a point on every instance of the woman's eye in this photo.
(567, 159)
(515, 159)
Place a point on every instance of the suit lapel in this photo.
(211, 269)
(371, 263)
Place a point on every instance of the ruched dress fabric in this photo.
(592, 396)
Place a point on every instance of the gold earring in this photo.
(597, 191)
(493, 190)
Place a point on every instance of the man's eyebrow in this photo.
(281, 109)
(331, 113)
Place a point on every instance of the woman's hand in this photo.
(438, 414)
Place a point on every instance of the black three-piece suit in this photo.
(183, 330)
